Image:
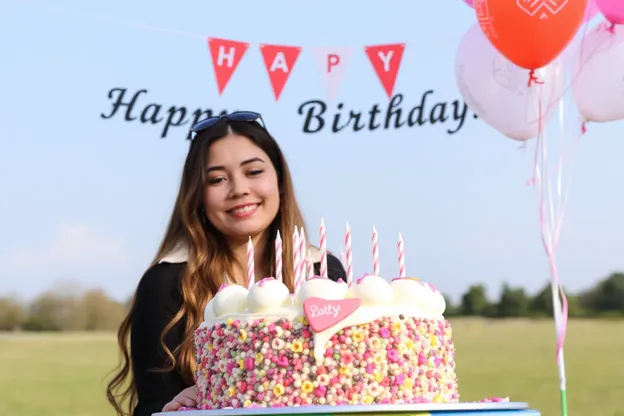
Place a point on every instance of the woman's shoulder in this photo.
(161, 279)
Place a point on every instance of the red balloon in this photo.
(530, 33)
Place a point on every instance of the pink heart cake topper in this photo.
(323, 314)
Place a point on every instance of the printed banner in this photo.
(280, 60)
(399, 111)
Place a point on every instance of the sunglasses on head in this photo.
(248, 116)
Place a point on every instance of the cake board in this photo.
(424, 409)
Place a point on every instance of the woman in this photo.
(235, 185)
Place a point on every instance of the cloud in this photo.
(73, 246)
(76, 251)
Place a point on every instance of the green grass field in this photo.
(53, 374)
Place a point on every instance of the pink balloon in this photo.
(468, 2)
(498, 92)
(613, 10)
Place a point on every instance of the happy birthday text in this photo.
(317, 115)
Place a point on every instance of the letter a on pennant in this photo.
(386, 59)
(226, 55)
(279, 61)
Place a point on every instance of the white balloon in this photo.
(498, 91)
(599, 85)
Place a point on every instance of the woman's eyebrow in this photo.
(243, 163)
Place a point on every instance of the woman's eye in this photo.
(255, 172)
(215, 181)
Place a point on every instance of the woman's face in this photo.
(241, 197)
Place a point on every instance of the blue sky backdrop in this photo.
(85, 200)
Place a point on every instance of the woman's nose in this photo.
(240, 187)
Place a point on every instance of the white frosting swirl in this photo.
(420, 297)
(320, 287)
(410, 293)
(230, 299)
(437, 303)
(209, 314)
(271, 297)
(268, 294)
(373, 290)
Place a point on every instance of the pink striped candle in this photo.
(323, 238)
(251, 267)
(401, 256)
(375, 252)
(278, 258)
(310, 264)
(296, 258)
(348, 254)
(302, 256)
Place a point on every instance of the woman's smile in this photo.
(243, 210)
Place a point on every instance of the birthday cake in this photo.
(366, 342)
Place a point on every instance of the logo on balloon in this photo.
(543, 7)
(484, 18)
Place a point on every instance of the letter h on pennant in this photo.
(226, 55)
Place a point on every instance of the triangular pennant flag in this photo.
(386, 59)
(279, 61)
(332, 63)
(226, 55)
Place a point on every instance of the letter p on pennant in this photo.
(226, 55)
(386, 60)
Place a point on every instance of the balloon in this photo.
(530, 34)
(599, 86)
(498, 92)
(568, 53)
(613, 10)
(590, 11)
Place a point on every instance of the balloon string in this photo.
(611, 28)
(551, 228)
(533, 79)
(549, 238)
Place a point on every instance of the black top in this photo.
(158, 299)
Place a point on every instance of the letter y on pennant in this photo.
(386, 60)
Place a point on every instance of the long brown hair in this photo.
(210, 259)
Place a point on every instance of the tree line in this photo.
(604, 299)
(94, 310)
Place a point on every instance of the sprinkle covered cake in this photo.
(367, 342)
